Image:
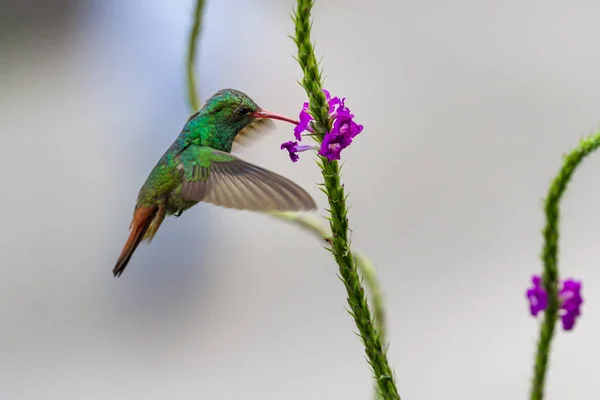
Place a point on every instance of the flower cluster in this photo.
(343, 130)
(569, 295)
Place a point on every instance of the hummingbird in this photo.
(198, 167)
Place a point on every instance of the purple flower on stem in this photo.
(332, 146)
(305, 118)
(340, 136)
(538, 298)
(293, 148)
(569, 296)
(571, 300)
(332, 102)
(304, 124)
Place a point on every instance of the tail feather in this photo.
(142, 219)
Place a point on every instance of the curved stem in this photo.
(340, 244)
(550, 276)
(191, 56)
(369, 273)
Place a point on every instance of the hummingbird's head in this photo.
(230, 111)
(233, 108)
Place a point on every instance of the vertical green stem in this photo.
(550, 276)
(191, 56)
(340, 246)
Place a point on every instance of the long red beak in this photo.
(272, 115)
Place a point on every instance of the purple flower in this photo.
(332, 102)
(340, 136)
(569, 296)
(343, 131)
(304, 124)
(293, 148)
(538, 298)
(571, 300)
(344, 123)
(333, 145)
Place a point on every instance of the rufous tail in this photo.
(142, 219)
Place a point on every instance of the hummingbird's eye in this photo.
(242, 111)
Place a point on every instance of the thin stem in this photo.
(191, 56)
(340, 245)
(367, 270)
(550, 276)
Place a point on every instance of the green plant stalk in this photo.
(550, 276)
(191, 56)
(340, 246)
(367, 270)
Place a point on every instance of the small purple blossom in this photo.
(293, 148)
(340, 136)
(305, 118)
(571, 300)
(538, 298)
(304, 123)
(569, 296)
(333, 145)
(344, 123)
(343, 131)
(332, 102)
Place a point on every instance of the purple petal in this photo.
(329, 148)
(571, 285)
(303, 124)
(332, 103)
(537, 296)
(538, 301)
(291, 147)
(333, 144)
(346, 126)
(571, 301)
(568, 321)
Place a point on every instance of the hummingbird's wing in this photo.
(222, 179)
(251, 133)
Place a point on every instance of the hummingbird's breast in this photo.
(176, 204)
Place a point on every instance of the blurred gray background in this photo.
(467, 106)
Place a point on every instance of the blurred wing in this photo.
(257, 130)
(222, 179)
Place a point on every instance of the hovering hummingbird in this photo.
(198, 167)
